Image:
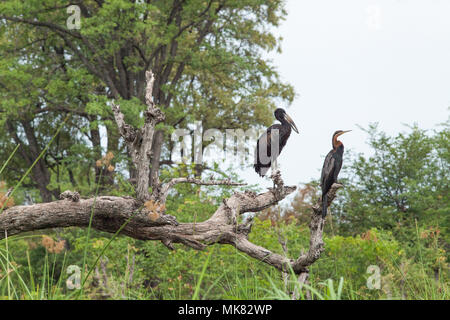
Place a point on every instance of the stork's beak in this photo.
(341, 133)
(291, 122)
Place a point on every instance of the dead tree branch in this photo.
(144, 218)
(139, 141)
(110, 213)
(316, 245)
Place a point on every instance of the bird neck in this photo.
(337, 144)
(339, 149)
(285, 127)
(282, 120)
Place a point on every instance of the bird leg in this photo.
(274, 165)
(275, 173)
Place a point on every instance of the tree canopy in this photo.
(208, 57)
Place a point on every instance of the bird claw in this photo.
(276, 178)
(274, 174)
(278, 183)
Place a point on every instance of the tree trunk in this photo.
(156, 156)
(40, 172)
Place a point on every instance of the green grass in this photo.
(20, 283)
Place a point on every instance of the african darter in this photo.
(274, 139)
(331, 168)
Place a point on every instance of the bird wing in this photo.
(265, 144)
(327, 172)
(261, 168)
(337, 167)
(274, 133)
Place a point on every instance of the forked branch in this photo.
(139, 140)
(145, 217)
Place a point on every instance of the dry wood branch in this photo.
(316, 245)
(126, 131)
(145, 216)
(110, 213)
(144, 219)
(139, 141)
(69, 195)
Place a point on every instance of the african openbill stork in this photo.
(274, 139)
(331, 167)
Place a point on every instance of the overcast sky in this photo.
(353, 62)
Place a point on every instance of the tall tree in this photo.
(207, 58)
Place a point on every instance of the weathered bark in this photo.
(316, 245)
(156, 157)
(110, 213)
(139, 141)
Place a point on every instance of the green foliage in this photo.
(208, 59)
(406, 179)
(134, 269)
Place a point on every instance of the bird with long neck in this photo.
(331, 168)
(273, 141)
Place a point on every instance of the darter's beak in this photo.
(291, 122)
(341, 133)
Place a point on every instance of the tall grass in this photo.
(88, 233)
(45, 289)
(202, 274)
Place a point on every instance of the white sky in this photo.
(353, 62)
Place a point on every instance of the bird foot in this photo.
(277, 181)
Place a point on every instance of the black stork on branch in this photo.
(271, 142)
(331, 167)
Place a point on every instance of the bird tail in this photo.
(257, 168)
(324, 205)
(261, 170)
